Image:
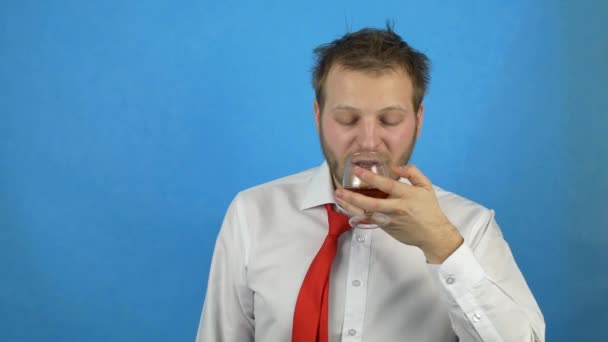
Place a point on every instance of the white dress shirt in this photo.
(380, 289)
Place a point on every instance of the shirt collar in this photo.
(319, 189)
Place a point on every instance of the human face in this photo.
(367, 111)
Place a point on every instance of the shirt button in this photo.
(450, 280)
(360, 238)
(352, 332)
(356, 283)
(476, 317)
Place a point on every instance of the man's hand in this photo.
(416, 218)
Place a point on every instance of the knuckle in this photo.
(375, 206)
(401, 212)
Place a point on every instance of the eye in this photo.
(391, 119)
(347, 119)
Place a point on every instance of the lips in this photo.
(367, 164)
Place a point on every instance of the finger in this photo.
(360, 202)
(414, 175)
(349, 208)
(385, 184)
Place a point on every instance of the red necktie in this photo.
(310, 316)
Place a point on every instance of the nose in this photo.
(368, 135)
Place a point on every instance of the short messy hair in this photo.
(372, 50)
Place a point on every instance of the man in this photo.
(439, 271)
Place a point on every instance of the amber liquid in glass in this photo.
(369, 192)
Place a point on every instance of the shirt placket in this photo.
(356, 286)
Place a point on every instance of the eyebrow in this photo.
(357, 110)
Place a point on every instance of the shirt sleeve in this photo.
(487, 295)
(228, 309)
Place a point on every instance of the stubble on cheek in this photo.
(335, 166)
(332, 162)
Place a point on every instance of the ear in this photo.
(317, 111)
(419, 119)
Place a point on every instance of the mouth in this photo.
(366, 157)
(367, 164)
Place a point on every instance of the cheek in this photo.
(336, 138)
(401, 138)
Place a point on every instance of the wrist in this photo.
(441, 248)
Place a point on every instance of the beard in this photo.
(337, 163)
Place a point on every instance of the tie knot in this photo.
(338, 222)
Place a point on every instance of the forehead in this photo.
(368, 88)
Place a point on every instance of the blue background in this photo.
(127, 127)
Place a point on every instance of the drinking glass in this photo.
(377, 163)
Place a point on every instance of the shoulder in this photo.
(451, 199)
(461, 211)
(290, 186)
(259, 205)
